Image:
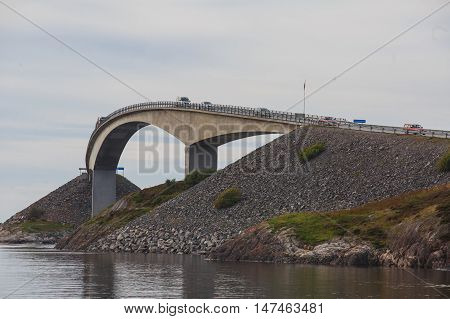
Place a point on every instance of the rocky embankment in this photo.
(57, 214)
(412, 230)
(355, 168)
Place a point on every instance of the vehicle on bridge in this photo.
(100, 120)
(415, 129)
(207, 104)
(263, 112)
(328, 121)
(183, 99)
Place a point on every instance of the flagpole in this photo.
(304, 101)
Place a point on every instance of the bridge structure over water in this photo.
(201, 127)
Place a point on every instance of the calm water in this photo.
(39, 272)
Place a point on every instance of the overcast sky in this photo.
(250, 53)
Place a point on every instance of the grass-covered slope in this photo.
(43, 226)
(410, 230)
(375, 222)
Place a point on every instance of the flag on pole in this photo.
(304, 86)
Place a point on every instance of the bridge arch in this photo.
(202, 132)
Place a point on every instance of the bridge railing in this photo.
(288, 117)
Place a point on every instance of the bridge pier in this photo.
(200, 156)
(103, 189)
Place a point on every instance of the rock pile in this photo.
(69, 204)
(158, 240)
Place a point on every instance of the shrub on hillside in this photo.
(311, 152)
(228, 198)
(444, 163)
(196, 177)
(36, 213)
(170, 182)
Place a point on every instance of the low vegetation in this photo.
(43, 226)
(170, 182)
(372, 222)
(196, 177)
(311, 152)
(228, 198)
(444, 162)
(35, 213)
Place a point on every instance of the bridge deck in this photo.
(256, 113)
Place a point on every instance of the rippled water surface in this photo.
(40, 272)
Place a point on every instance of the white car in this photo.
(183, 99)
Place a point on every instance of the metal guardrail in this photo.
(287, 117)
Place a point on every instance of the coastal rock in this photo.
(260, 244)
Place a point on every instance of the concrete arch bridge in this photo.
(201, 127)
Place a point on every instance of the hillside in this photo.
(411, 230)
(56, 213)
(355, 168)
(121, 213)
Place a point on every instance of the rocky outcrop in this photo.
(355, 168)
(260, 243)
(68, 205)
(15, 235)
(418, 243)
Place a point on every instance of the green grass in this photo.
(196, 177)
(371, 222)
(311, 152)
(310, 228)
(229, 197)
(444, 162)
(43, 226)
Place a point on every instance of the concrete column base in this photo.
(103, 189)
(200, 156)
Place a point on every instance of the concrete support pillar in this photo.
(103, 189)
(200, 156)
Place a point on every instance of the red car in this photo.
(415, 129)
(328, 120)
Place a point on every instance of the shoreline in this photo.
(209, 259)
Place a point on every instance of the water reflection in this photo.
(98, 276)
(45, 273)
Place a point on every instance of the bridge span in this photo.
(201, 127)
